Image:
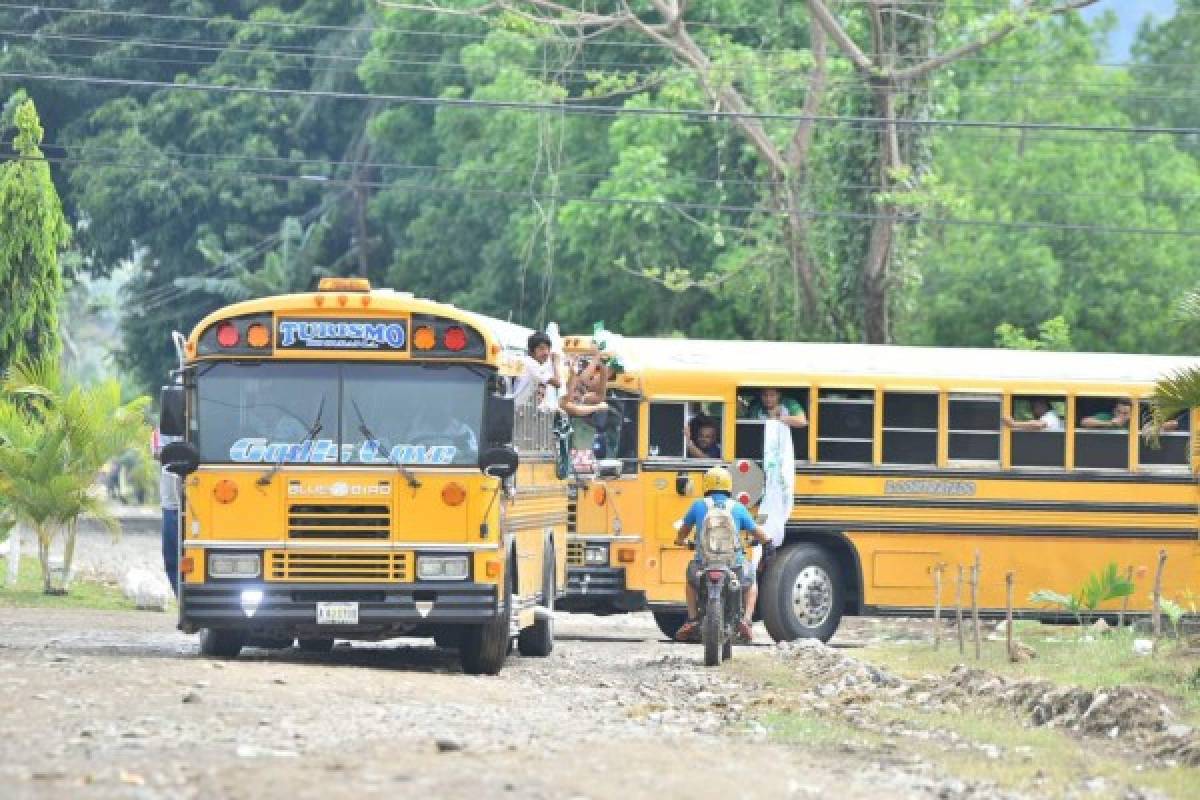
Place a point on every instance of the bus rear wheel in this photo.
(483, 648)
(802, 594)
(221, 643)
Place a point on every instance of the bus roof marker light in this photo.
(455, 338)
(227, 334)
(344, 285)
(424, 338)
(257, 335)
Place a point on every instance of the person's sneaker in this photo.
(689, 633)
(744, 634)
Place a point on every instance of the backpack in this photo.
(720, 543)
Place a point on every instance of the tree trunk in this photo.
(876, 326)
(43, 537)
(14, 554)
(71, 528)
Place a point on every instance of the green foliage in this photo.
(1053, 334)
(54, 438)
(1099, 588)
(32, 232)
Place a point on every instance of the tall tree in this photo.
(33, 231)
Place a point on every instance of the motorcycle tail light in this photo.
(714, 574)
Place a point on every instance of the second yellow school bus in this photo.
(906, 466)
(356, 469)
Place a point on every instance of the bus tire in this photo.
(221, 643)
(323, 644)
(483, 648)
(713, 628)
(669, 622)
(803, 594)
(538, 639)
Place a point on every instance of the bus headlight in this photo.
(234, 565)
(442, 568)
(596, 555)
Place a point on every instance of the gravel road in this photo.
(118, 704)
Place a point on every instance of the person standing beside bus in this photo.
(169, 490)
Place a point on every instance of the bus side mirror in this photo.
(180, 458)
(172, 415)
(499, 462)
(499, 416)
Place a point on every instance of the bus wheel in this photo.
(484, 647)
(802, 594)
(538, 639)
(669, 622)
(320, 645)
(220, 643)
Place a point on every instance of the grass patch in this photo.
(1063, 658)
(27, 593)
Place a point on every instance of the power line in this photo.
(600, 110)
(638, 202)
(329, 28)
(83, 151)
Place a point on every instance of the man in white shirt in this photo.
(1044, 418)
(541, 369)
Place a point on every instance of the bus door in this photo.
(685, 438)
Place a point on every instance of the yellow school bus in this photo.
(907, 467)
(355, 468)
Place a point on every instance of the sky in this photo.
(1130, 14)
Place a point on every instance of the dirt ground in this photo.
(112, 704)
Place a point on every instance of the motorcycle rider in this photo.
(718, 487)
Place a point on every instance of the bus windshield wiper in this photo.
(313, 430)
(411, 479)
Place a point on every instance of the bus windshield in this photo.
(339, 413)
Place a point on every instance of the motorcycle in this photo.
(719, 604)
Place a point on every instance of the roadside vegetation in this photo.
(85, 594)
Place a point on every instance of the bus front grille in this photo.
(294, 565)
(339, 521)
(575, 554)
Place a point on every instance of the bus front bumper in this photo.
(600, 590)
(293, 606)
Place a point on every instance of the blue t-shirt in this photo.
(699, 510)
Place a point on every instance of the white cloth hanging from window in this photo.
(779, 466)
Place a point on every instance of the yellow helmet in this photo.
(717, 479)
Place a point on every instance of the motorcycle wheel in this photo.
(714, 627)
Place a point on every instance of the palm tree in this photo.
(54, 439)
(1179, 391)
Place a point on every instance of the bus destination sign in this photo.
(323, 334)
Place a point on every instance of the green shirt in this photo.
(793, 409)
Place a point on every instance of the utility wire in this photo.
(600, 110)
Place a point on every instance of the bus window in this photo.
(1102, 432)
(974, 429)
(910, 428)
(704, 426)
(751, 415)
(1173, 448)
(666, 430)
(846, 426)
(1038, 432)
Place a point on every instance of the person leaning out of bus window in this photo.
(702, 435)
(585, 388)
(540, 369)
(1117, 418)
(772, 404)
(1044, 418)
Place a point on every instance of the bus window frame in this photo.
(815, 424)
(1188, 466)
(1055, 396)
(740, 389)
(1075, 430)
(979, 395)
(936, 430)
(686, 401)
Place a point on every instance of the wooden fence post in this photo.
(958, 614)
(937, 606)
(1156, 612)
(975, 570)
(1008, 613)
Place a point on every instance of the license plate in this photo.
(337, 613)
